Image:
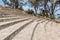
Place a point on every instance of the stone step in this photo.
(53, 31)
(6, 16)
(39, 32)
(42, 20)
(8, 19)
(9, 23)
(25, 33)
(12, 16)
(7, 33)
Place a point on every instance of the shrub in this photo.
(43, 13)
(30, 11)
(21, 8)
(52, 16)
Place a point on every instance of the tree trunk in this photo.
(45, 3)
(35, 7)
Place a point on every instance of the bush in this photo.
(52, 16)
(21, 8)
(44, 13)
(30, 11)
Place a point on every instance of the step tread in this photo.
(40, 32)
(3, 23)
(8, 31)
(26, 33)
(8, 18)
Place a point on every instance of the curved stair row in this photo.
(15, 26)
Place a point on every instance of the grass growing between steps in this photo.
(20, 8)
(52, 16)
(30, 11)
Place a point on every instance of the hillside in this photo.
(18, 25)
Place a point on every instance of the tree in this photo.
(35, 3)
(5, 1)
(45, 11)
(15, 2)
(12, 2)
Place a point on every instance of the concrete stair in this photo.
(11, 30)
(27, 34)
(20, 26)
(9, 23)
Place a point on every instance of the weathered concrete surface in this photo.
(31, 28)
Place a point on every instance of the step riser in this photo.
(4, 20)
(10, 24)
(34, 31)
(4, 23)
(7, 16)
(17, 31)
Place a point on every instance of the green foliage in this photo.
(33, 1)
(52, 16)
(21, 8)
(14, 1)
(43, 13)
(30, 11)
